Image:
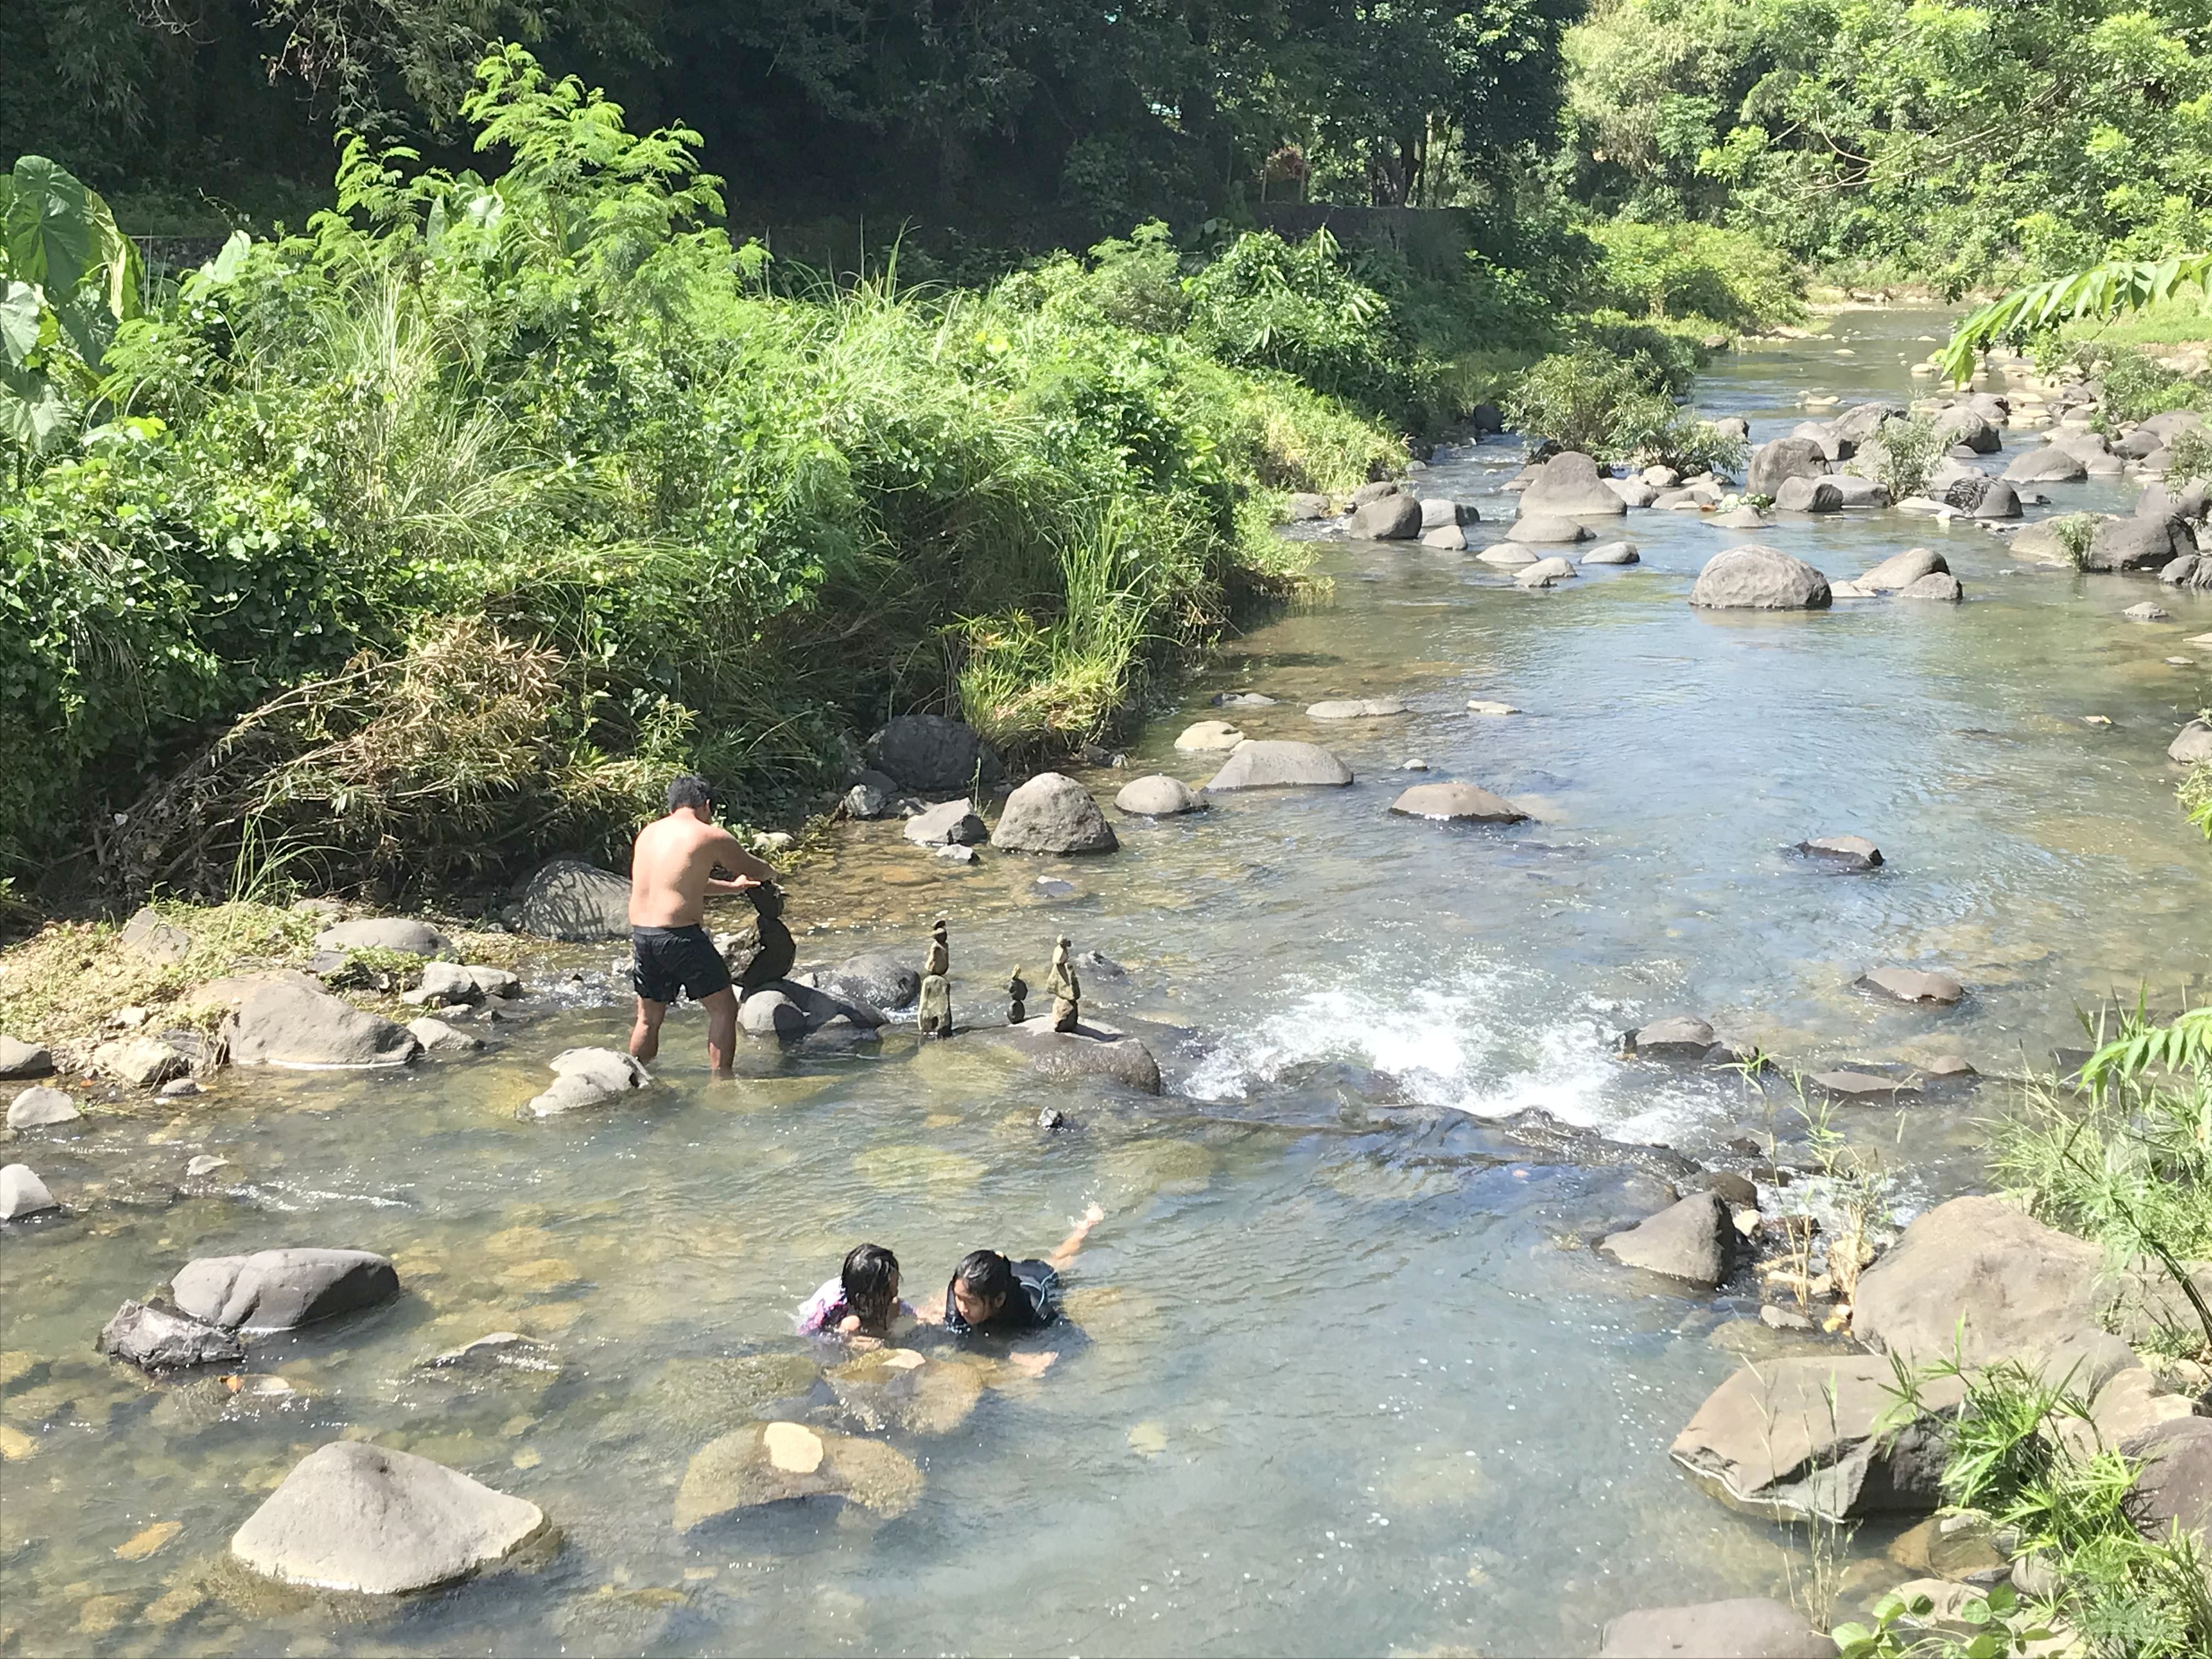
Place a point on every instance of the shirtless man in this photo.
(671, 871)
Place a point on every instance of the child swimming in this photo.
(860, 1301)
(989, 1292)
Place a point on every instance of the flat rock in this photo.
(283, 1023)
(1912, 985)
(158, 1339)
(1202, 735)
(1750, 1627)
(1798, 1437)
(39, 1108)
(354, 1517)
(401, 933)
(1976, 1274)
(767, 1462)
(1506, 555)
(1757, 578)
(1612, 553)
(948, 824)
(1465, 803)
(875, 978)
(1550, 529)
(154, 939)
(1053, 813)
(22, 1194)
(1543, 573)
(1092, 1050)
(1273, 764)
(1488, 706)
(282, 1290)
(931, 755)
(1681, 1037)
(1356, 709)
(1694, 1240)
(1569, 485)
(1862, 1085)
(18, 1059)
(439, 1038)
(1941, 585)
(1156, 796)
(1850, 852)
(2147, 612)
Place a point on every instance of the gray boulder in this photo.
(1462, 803)
(21, 1193)
(1976, 1275)
(285, 1023)
(1053, 813)
(2138, 543)
(2189, 570)
(567, 899)
(1962, 426)
(1305, 508)
(1862, 1085)
(1863, 420)
(357, 1517)
(2174, 1486)
(1506, 555)
(1439, 513)
(1940, 585)
(1743, 518)
(1731, 426)
(1156, 796)
(1802, 495)
(1749, 1627)
(931, 755)
(1092, 1050)
(1774, 464)
(1912, 985)
(949, 823)
(1859, 493)
(875, 978)
(1544, 574)
(769, 1013)
(282, 1290)
(1388, 518)
(1569, 485)
(2147, 612)
(1612, 553)
(2191, 744)
(1694, 1240)
(1851, 852)
(439, 1038)
(1356, 708)
(2158, 501)
(401, 933)
(1274, 764)
(157, 1339)
(1754, 577)
(2047, 465)
(1903, 569)
(18, 1059)
(1549, 529)
(444, 983)
(1999, 499)
(1798, 1438)
(140, 1062)
(1680, 1038)
(586, 1077)
(1375, 490)
(1633, 492)
(1445, 538)
(1203, 735)
(154, 939)
(40, 1108)
(1833, 446)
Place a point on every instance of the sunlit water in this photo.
(1343, 1379)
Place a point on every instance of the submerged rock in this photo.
(875, 978)
(40, 1108)
(1750, 1627)
(1456, 803)
(1356, 709)
(22, 1194)
(437, 1037)
(1862, 1085)
(586, 1077)
(1092, 1050)
(282, 1290)
(354, 1517)
(1681, 1037)
(1850, 852)
(898, 1389)
(1053, 813)
(767, 1463)
(1794, 1438)
(1912, 985)
(158, 1339)
(1693, 1240)
(1281, 765)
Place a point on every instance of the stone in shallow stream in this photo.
(898, 1389)
(767, 1462)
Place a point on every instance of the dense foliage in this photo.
(447, 523)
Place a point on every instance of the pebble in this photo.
(206, 1163)
(956, 856)
(1415, 764)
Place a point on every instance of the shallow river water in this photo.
(1340, 1376)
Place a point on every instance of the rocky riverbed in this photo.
(1405, 1330)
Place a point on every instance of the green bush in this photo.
(1694, 271)
(1900, 456)
(1615, 409)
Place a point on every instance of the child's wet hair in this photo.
(986, 1275)
(870, 1278)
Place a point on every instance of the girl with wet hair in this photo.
(988, 1292)
(860, 1301)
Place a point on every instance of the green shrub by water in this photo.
(426, 541)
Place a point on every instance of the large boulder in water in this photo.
(1976, 1276)
(157, 1339)
(931, 755)
(1053, 813)
(354, 1517)
(1569, 486)
(21, 1193)
(1391, 517)
(1754, 577)
(1694, 1240)
(286, 1022)
(567, 899)
(401, 933)
(2047, 465)
(586, 1077)
(1456, 803)
(1274, 764)
(1903, 569)
(1774, 464)
(875, 978)
(1550, 529)
(1747, 1627)
(1962, 425)
(2135, 543)
(948, 824)
(1809, 495)
(2191, 744)
(280, 1290)
(1156, 796)
(1798, 1438)
(1090, 1050)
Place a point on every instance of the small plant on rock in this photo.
(2076, 531)
(1902, 455)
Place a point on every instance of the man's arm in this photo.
(1073, 1243)
(750, 870)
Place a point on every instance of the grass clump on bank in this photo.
(429, 540)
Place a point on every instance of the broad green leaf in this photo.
(31, 408)
(19, 319)
(225, 265)
(1845, 1636)
(51, 234)
(1988, 1645)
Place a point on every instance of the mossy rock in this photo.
(704, 1396)
(898, 1389)
(902, 1166)
(769, 1463)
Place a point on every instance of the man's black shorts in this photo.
(668, 958)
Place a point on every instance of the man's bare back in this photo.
(672, 870)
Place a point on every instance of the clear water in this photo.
(1342, 1383)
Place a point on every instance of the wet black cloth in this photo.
(1033, 1303)
(667, 959)
(777, 949)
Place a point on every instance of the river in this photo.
(1348, 1378)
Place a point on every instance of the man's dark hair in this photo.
(869, 1273)
(690, 790)
(988, 1276)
